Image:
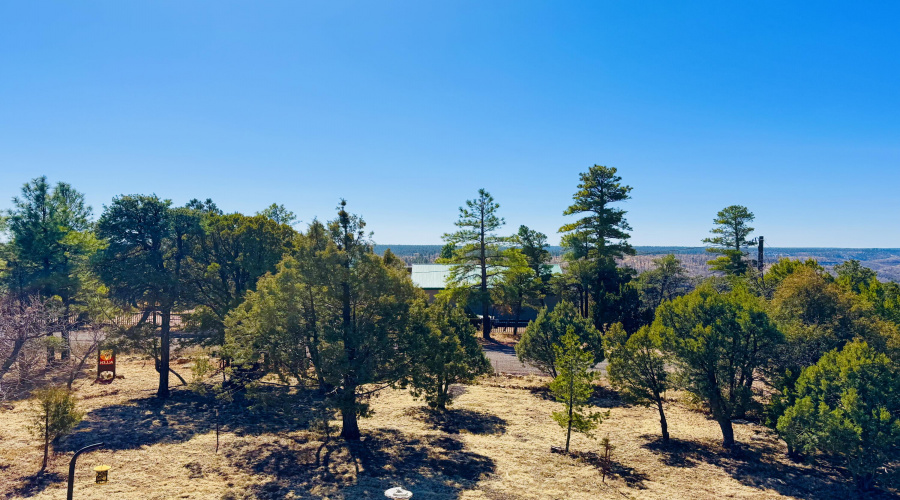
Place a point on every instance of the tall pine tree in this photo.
(479, 256)
(145, 263)
(599, 237)
(730, 237)
(47, 227)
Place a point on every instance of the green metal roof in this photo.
(434, 276)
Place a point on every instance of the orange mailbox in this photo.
(106, 365)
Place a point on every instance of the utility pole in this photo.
(759, 259)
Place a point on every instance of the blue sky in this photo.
(407, 108)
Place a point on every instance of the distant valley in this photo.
(884, 261)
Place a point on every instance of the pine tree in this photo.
(573, 387)
(336, 305)
(718, 341)
(533, 245)
(145, 263)
(226, 256)
(54, 414)
(538, 344)
(279, 214)
(667, 280)
(732, 230)
(637, 368)
(479, 255)
(599, 237)
(446, 352)
(49, 246)
(518, 288)
(848, 405)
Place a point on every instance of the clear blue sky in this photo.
(407, 108)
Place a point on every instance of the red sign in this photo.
(106, 365)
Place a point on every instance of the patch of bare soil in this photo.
(493, 444)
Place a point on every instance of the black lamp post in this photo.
(72, 466)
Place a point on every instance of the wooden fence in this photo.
(129, 320)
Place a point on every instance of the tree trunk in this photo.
(180, 378)
(516, 324)
(485, 298)
(350, 427)
(77, 369)
(662, 421)
(51, 353)
(46, 438)
(443, 395)
(217, 430)
(599, 291)
(864, 482)
(485, 320)
(718, 407)
(64, 332)
(324, 387)
(727, 432)
(17, 347)
(165, 343)
(66, 350)
(571, 410)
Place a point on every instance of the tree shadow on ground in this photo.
(309, 467)
(461, 420)
(760, 464)
(632, 477)
(602, 397)
(605, 397)
(36, 483)
(185, 413)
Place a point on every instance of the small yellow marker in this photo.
(102, 474)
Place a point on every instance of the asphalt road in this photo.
(503, 359)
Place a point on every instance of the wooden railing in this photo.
(128, 320)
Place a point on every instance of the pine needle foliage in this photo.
(848, 405)
(446, 352)
(602, 228)
(730, 237)
(573, 387)
(597, 239)
(637, 368)
(477, 255)
(53, 415)
(718, 341)
(538, 344)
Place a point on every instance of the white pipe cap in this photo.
(398, 493)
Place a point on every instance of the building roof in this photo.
(434, 276)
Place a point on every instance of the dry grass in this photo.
(494, 444)
(503, 336)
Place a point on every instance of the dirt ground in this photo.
(494, 444)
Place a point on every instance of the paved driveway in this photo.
(503, 359)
